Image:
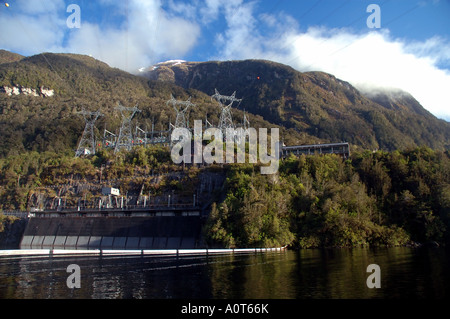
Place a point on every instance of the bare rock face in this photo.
(28, 91)
(17, 90)
(47, 92)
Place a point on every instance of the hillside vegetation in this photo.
(315, 103)
(371, 199)
(52, 124)
(309, 107)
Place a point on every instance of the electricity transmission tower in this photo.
(181, 120)
(87, 142)
(125, 139)
(226, 119)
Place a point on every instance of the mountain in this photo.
(316, 103)
(31, 120)
(41, 95)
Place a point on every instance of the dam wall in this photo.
(152, 232)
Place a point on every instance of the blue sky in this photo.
(410, 51)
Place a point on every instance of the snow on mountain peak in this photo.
(172, 62)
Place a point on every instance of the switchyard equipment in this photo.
(126, 140)
(109, 139)
(342, 149)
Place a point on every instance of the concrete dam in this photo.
(115, 222)
(120, 231)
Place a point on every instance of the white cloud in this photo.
(240, 36)
(373, 60)
(367, 60)
(247, 35)
(435, 47)
(147, 35)
(29, 27)
(210, 10)
(186, 9)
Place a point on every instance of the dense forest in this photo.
(374, 198)
(370, 199)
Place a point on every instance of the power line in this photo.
(334, 11)
(42, 54)
(403, 14)
(310, 9)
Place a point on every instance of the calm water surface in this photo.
(318, 274)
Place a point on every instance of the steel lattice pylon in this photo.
(226, 118)
(125, 139)
(181, 120)
(87, 142)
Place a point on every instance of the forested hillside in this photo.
(371, 199)
(41, 124)
(315, 103)
(309, 107)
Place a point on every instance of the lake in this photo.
(405, 273)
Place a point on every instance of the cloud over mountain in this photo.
(369, 60)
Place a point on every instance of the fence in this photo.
(15, 213)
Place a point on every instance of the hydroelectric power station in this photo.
(110, 224)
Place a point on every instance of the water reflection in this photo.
(260, 276)
(316, 274)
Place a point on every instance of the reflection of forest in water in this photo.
(304, 274)
(340, 273)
